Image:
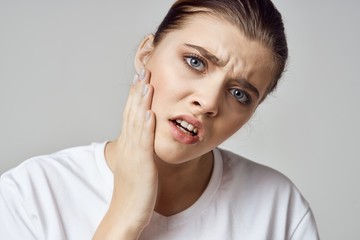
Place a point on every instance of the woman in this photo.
(200, 78)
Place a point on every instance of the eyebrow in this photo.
(209, 56)
(249, 86)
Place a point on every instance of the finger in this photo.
(146, 101)
(140, 104)
(128, 103)
(148, 133)
(133, 99)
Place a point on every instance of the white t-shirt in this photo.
(66, 194)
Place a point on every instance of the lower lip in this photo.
(181, 136)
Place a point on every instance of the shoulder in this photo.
(259, 192)
(259, 182)
(47, 188)
(248, 169)
(55, 166)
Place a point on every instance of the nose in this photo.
(206, 100)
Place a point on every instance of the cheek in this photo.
(228, 128)
(168, 85)
(230, 123)
(163, 91)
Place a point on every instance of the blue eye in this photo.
(240, 95)
(195, 63)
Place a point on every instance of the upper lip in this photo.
(192, 120)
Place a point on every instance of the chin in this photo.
(169, 152)
(174, 153)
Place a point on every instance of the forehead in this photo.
(242, 57)
(214, 31)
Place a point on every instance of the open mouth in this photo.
(186, 127)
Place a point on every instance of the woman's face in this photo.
(208, 75)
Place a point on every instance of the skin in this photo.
(215, 77)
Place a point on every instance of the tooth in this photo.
(195, 130)
(184, 124)
(190, 127)
(178, 121)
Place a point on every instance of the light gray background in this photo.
(65, 67)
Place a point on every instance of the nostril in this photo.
(211, 114)
(196, 103)
(206, 108)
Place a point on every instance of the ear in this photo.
(143, 53)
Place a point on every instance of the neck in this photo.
(182, 184)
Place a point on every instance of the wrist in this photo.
(119, 226)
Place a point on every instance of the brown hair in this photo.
(258, 19)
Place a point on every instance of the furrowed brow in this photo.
(206, 54)
(215, 60)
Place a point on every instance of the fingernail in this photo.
(145, 89)
(136, 77)
(147, 115)
(142, 74)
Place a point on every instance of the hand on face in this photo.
(135, 173)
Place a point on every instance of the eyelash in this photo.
(197, 57)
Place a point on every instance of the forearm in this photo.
(135, 173)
